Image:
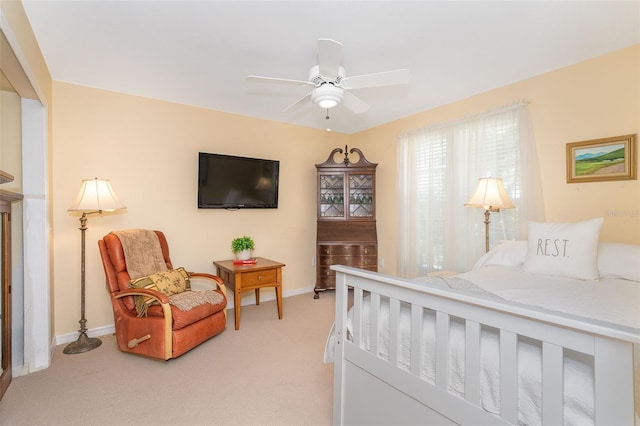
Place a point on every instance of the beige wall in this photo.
(149, 151)
(594, 99)
(149, 148)
(10, 135)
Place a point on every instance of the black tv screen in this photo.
(230, 182)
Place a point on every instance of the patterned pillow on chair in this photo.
(170, 282)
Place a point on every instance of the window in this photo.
(439, 168)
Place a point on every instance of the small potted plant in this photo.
(242, 247)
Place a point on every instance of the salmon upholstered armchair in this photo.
(168, 325)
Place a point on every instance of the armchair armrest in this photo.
(160, 297)
(205, 275)
(163, 299)
(218, 281)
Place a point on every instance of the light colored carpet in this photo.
(270, 372)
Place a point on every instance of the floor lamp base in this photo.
(83, 344)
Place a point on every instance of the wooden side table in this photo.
(241, 278)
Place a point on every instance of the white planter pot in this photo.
(243, 255)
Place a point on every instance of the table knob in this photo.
(259, 277)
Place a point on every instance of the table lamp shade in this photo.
(490, 195)
(96, 195)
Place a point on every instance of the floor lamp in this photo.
(491, 196)
(95, 196)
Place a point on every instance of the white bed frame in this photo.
(370, 390)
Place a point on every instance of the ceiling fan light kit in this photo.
(331, 86)
(327, 96)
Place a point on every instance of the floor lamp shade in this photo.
(490, 195)
(95, 196)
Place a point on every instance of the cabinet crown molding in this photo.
(346, 161)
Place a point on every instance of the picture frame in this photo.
(602, 160)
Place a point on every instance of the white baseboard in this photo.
(62, 339)
(18, 370)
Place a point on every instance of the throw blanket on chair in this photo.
(190, 299)
(142, 252)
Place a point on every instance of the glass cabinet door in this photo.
(361, 195)
(5, 320)
(331, 195)
(2, 284)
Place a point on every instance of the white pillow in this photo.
(564, 249)
(619, 261)
(507, 253)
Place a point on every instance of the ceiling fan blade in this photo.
(354, 103)
(261, 79)
(297, 103)
(386, 78)
(329, 57)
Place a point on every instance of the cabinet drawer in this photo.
(259, 277)
(325, 260)
(369, 249)
(325, 282)
(347, 249)
(324, 250)
(368, 261)
(357, 261)
(342, 260)
(336, 260)
(338, 249)
(325, 272)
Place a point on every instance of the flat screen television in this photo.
(230, 182)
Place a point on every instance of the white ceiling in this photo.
(198, 52)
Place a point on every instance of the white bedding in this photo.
(611, 300)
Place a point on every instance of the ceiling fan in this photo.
(330, 84)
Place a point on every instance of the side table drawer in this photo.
(259, 277)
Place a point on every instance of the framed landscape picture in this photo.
(602, 159)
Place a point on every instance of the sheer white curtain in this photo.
(439, 167)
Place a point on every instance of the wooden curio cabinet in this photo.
(346, 216)
(6, 199)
